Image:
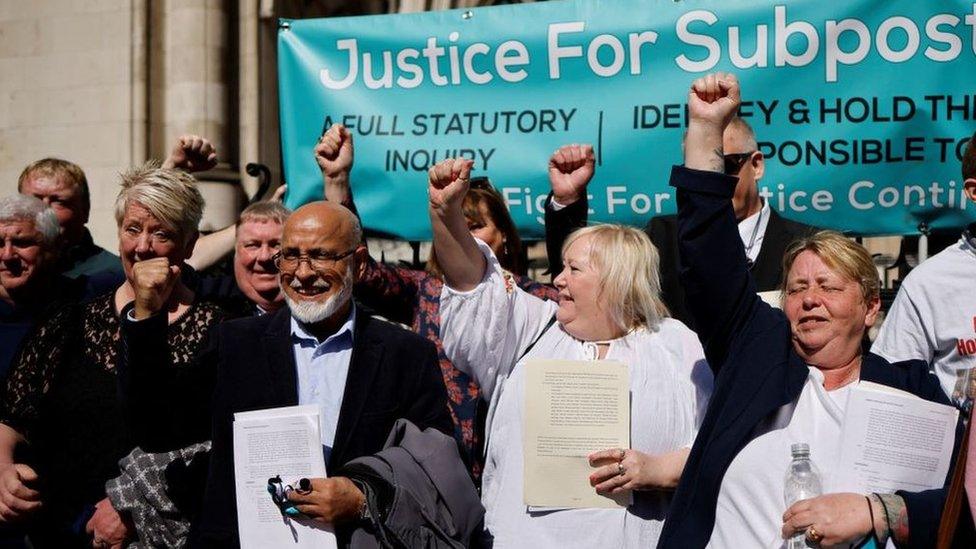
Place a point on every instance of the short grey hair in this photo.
(22, 207)
(171, 196)
(265, 210)
(748, 134)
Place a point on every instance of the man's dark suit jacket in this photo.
(393, 374)
(748, 345)
(767, 271)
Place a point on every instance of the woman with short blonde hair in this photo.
(609, 309)
(171, 196)
(68, 394)
(784, 377)
(632, 282)
(839, 253)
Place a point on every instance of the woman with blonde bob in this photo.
(66, 395)
(609, 308)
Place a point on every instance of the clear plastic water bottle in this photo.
(802, 482)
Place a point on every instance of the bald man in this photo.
(361, 373)
(765, 234)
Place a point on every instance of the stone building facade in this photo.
(109, 84)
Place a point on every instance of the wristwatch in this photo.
(364, 513)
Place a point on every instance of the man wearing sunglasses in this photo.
(765, 234)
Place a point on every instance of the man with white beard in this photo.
(362, 373)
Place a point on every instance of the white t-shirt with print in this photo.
(933, 317)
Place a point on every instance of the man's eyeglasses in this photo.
(735, 161)
(318, 260)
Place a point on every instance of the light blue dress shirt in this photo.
(322, 368)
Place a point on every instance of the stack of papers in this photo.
(893, 440)
(276, 442)
(572, 409)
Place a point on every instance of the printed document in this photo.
(281, 442)
(893, 440)
(572, 409)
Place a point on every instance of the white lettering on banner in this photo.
(784, 30)
(836, 55)
(503, 61)
(509, 61)
(327, 81)
(639, 203)
(473, 75)
(950, 45)
(519, 198)
(593, 53)
(505, 86)
(407, 67)
(557, 51)
(863, 197)
(758, 58)
(705, 41)
(884, 31)
(933, 32)
(896, 39)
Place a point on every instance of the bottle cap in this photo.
(800, 449)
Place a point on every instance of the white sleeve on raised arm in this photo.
(486, 329)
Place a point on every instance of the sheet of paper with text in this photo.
(281, 442)
(572, 408)
(893, 440)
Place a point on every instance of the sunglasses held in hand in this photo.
(279, 494)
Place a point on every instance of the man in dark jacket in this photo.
(362, 373)
(765, 233)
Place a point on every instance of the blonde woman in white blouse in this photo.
(609, 308)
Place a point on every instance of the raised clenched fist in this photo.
(448, 182)
(153, 281)
(571, 168)
(334, 151)
(192, 153)
(714, 99)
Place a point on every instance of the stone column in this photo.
(193, 89)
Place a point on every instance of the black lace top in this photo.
(62, 395)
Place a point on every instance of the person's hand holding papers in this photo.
(331, 500)
(619, 470)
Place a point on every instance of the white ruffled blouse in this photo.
(486, 330)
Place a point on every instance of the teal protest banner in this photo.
(861, 108)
